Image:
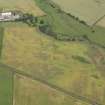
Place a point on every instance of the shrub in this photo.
(81, 59)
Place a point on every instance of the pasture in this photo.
(61, 22)
(87, 10)
(26, 6)
(5, 87)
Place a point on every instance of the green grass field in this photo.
(6, 89)
(68, 26)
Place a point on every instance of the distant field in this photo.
(27, 6)
(35, 93)
(87, 10)
(101, 22)
(5, 87)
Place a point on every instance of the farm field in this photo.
(89, 11)
(71, 27)
(35, 93)
(56, 61)
(5, 87)
(26, 6)
(49, 53)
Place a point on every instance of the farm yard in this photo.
(87, 10)
(26, 6)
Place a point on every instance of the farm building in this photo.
(9, 16)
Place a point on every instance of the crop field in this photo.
(5, 87)
(87, 10)
(32, 52)
(36, 93)
(27, 6)
(28, 44)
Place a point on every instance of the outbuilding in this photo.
(9, 16)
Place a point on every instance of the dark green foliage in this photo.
(1, 39)
(81, 59)
(41, 22)
(47, 30)
(95, 76)
(29, 19)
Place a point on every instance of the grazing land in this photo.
(6, 89)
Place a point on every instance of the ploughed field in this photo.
(87, 10)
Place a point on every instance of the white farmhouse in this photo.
(9, 16)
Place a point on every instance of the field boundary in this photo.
(1, 40)
(12, 88)
(98, 20)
